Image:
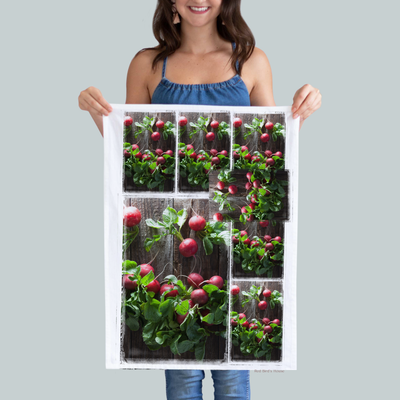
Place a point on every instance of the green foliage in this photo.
(201, 125)
(214, 233)
(146, 125)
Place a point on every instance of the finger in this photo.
(299, 96)
(307, 103)
(96, 106)
(314, 107)
(96, 94)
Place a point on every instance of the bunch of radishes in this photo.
(253, 294)
(256, 241)
(131, 219)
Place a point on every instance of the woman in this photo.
(212, 60)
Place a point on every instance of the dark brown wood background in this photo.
(252, 311)
(200, 142)
(145, 142)
(167, 251)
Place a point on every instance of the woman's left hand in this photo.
(305, 101)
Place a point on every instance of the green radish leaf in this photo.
(151, 312)
(184, 346)
(208, 246)
(182, 217)
(170, 216)
(154, 224)
(209, 288)
(148, 278)
(132, 323)
(200, 350)
(182, 308)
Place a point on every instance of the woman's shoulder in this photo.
(256, 67)
(143, 61)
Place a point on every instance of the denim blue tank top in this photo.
(232, 92)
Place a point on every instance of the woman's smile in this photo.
(198, 10)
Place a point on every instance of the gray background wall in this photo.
(52, 285)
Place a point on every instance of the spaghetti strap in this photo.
(163, 68)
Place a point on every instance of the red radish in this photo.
(264, 137)
(210, 136)
(134, 147)
(267, 192)
(267, 329)
(151, 170)
(191, 304)
(253, 326)
(277, 239)
(249, 175)
(169, 152)
(248, 186)
(258, 339)
(199, 296)
(245, 324)
(232, 189)
(221, 185)
(255, 159)
(266, 321)
(197, 223)
(155, 136)
(267, 293)
(146, 157)
(267, 238)
(235, 240)
(193, 156)
(268, 153)
(233, 322)
(257, 183)
(181, 153)
(160, 124)
(182, 121)
(250, 218)
(252, 206)
(247, 241)
(128, 284)
(243, 210)
(160, 160)
(145, 269)
(269, 246)
(264, 224)
(237, 122)
(203, 314)
(195, 279)
(215, 160)
(243, 233)
(128, 121)
(276, 321)
(260, 257)
(270, 161)
(166, 287)
(244, 148)
(217, 281)
(269, 125)
(218, 217)
(180, 318)
(242, 315)
(188, 247)
(213, 152)
(200, 157)
(189, 147)
(235, 290)
(132, 216)
(153, 286)
(254, 199)
(262, 305)
(206, 171)
(254, 243)
(138, 155)
(127, 153)
(214, 124)
(247, 157)
(278, 154)
(224, 153)
(236, 155)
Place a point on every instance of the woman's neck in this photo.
(200, 40)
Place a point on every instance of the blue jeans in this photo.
(187, 384)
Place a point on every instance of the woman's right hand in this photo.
(93, 101)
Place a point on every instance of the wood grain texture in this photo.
(252, 311)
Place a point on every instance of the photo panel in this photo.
(257, 321)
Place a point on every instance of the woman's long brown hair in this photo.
(235, 30)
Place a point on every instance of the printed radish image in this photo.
(131, 220)
(197, 223)
(258, 333)
(188, 247)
